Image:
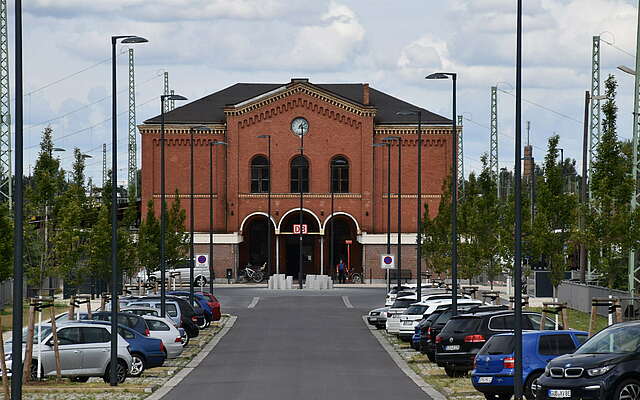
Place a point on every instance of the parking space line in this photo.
(253, 302)
(346, 301)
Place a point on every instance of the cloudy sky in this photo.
(206, 45)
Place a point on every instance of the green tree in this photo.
(436, 244)
(6, 244)
(177, 240)
(149, 240)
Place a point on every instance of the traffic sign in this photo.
(387, 261)
(296, 229)
(202, 260)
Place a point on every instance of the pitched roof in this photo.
(210, 109)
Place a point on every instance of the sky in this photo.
(207, 45)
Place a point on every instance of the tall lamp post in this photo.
(192, 130)
(268, 137)
(163, 206)
(388, 141)
(124, 39)
(419, 204)
(303, 130)
(388, 146)
(454, 191)
(211, 213)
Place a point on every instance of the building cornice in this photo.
(397, 129)
(182, 129)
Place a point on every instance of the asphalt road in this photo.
(297, 345)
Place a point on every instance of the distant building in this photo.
(343, 121)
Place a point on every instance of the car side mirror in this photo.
(49, 343)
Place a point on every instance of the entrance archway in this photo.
(254, 247)
(345, 244)
(290, 244)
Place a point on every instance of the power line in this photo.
(546, 108)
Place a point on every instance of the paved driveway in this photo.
(298, 345)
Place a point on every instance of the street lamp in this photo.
(163, 217)
(268, 137)
(419, 203)
(388, 146)
(198, 128)
(124, 39)
(399, 140)
(300, 260)
(454, 191)
(211, 214)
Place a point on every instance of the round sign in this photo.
(202, 259)
(388, 260)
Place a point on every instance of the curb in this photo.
(177, 378)
(431, 392)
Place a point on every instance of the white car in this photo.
(402, 303)
(163, 329)
(418, 311)
(181, 272)
(85, 351)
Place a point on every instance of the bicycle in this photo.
(253, 274)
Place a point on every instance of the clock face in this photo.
(299, 126)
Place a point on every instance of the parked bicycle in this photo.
(253, 273)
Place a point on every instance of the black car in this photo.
(189, 319)
(133, 321)
(424, 326)
(464, 335)
(428, 337)
(605, 367)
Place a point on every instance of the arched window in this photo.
(259, 174)
(340, 175)
(299, 175)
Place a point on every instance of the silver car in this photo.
(163, 329)
(84, 352)
(181, 273)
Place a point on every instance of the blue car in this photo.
(415, 339)
(146, 352)
(493, 366)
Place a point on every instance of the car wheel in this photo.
(185, 340)
(33, 373)
(431, 356)
(629, 389)
(529, 391)
(137, 365)
(207, 324)
(81, 379)
(201, 281)
(451, 373)
(121, 372)
(203, 324)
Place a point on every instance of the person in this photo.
(341, 269)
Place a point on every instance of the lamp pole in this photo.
(454, 190)
(211, 210)
(332, 237)
(399, 248)
(268, 137)
(163, 206)
(191, 210)
(300, 272)
(126, 39)
(388, 146)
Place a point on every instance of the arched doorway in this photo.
(254, 246)
(345, 244)
(290, 245)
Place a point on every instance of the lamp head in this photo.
(626, 69)
(173, 97)
(390, 139)
(407, 113)
(58, 149)
(219, 142)
(438, 75)
(87, 156)
(134, 39)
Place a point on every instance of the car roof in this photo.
(449, 301)
(125, 309)
(545, 332)
(489, 314)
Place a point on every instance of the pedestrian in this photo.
(341, 269)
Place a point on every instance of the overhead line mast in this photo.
(493, 138)
(594, 139)
(5, 114)
(133, 148)
(460, 158)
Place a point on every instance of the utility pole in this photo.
(493, 139)
(166, 91)
(594, 139)
(635, 170)
(133, 148)
(5, 114)
(104, 165)
(460, 159)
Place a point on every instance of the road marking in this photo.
(431, 392)
(346, 301)
(253, 302)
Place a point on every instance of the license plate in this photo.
(452, 347)
(373, 318)
(485, 379)
(406, 322)
(559, 393)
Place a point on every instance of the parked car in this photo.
(428, 336)
(201, 303)
(178, 309)
(129, 320)
(464, 335)
(141, 311)
(214, 304)
(169, 334)
(181, 270)
(84, 352)
(494, 364)
(416, 312)
(423, 325)
(402, 303)
(605, 367)
(396, 292)
(378, 317)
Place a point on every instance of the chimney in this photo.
(365, 94)
(528, 162)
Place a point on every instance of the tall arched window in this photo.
(299, 175)
(340, 175)
(259, 174)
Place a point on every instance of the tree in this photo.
(437, 233)
(149, 240)
(554, 216)
(6, 244)
(176, 238)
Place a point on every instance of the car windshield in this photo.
(46, 330)
(403, 303)
(443, 318)
(415, 310)
(460, 325)
(615, 339)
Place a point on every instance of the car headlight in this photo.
(546, 370)
(599, 371)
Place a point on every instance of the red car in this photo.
(214, 304)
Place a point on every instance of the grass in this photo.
(578, 320)
(6, 315)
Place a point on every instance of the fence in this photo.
(578, 296)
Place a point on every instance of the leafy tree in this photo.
(436, 244)
(176, 238)
(6, 244)
(149, 240)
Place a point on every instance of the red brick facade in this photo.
(337, 127)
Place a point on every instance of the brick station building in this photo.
(341, 122)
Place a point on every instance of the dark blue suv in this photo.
(494, 364)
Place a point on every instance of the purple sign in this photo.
(388, 260)
(202, 259)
